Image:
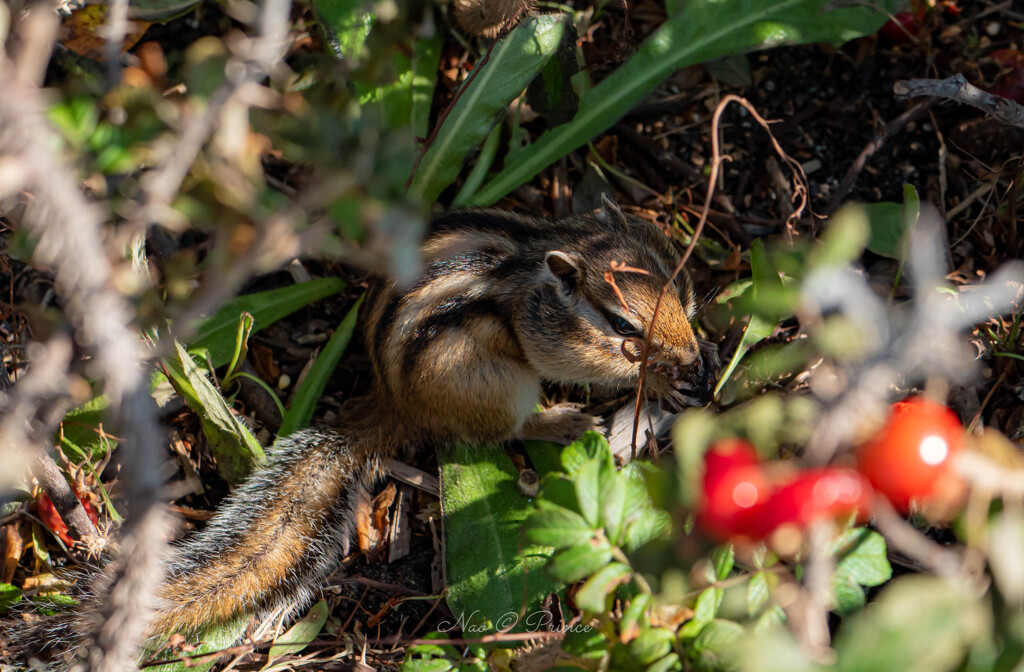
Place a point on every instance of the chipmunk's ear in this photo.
(609, 211)
(564, 271)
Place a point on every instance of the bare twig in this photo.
(959, 89)
(114, 32)
(800, 193)
(891, 129)
(63, 497)
(255, 60)
(902, 536)
(70, 242)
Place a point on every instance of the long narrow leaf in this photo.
(304, 403)
(217, 333)
(703, 30)
(513, 62)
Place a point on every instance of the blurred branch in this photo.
(114, 32)
(254, 59)
(959, 89)
(68, 230)
(903, 537)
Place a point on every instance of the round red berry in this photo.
(910, 457)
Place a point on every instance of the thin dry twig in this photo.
(891, 129)
(959, 89)
(63, 497)
(800, 194)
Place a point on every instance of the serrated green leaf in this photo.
(216, 334)
(490, 570)
(513, 62)
(587, 481)
(592, 594)
(299, 635)
(559, 527)
(848, 594)
(346, 24)
(300, 413)
(578, 562)
(759, 591)
(669, 663)
(715, 644)
(862, 556)
(589, 446)
(772, 617)
(650, 645)
(704, 611)
(701, 31)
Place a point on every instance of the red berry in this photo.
(815, 494)
(735, 489)
(910, 457)
(900, 28)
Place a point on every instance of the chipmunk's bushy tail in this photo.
(271, 543)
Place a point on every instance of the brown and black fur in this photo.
(505, 302)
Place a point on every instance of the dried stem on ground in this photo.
(959, 89)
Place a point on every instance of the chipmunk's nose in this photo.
(703, 378)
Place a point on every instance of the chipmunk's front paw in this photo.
(562, 423)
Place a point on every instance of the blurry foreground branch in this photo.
(69, 240)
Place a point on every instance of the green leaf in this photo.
(917, 624)
(428, 665)
(559, 527)
(8, 596)
(217, 334)
(635, 613)
(844, 238)
(766, 280)
(723, 560)
(346, 24)
(891, 222)
(490, 570)
(79, 433)
(579, 562)
(650, 645)
(211, 639)
(234, 446)
(513, 62)
(716, 643)
(703, 30)
(592, 595)
(586, 642)
(299, 635)
(304, 403)
(587, 481)
(704, 612)
(692, 434)
(759, 591)
(862, 556)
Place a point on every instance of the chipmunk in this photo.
(505, 302)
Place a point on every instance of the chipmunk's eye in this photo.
(622, 326)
